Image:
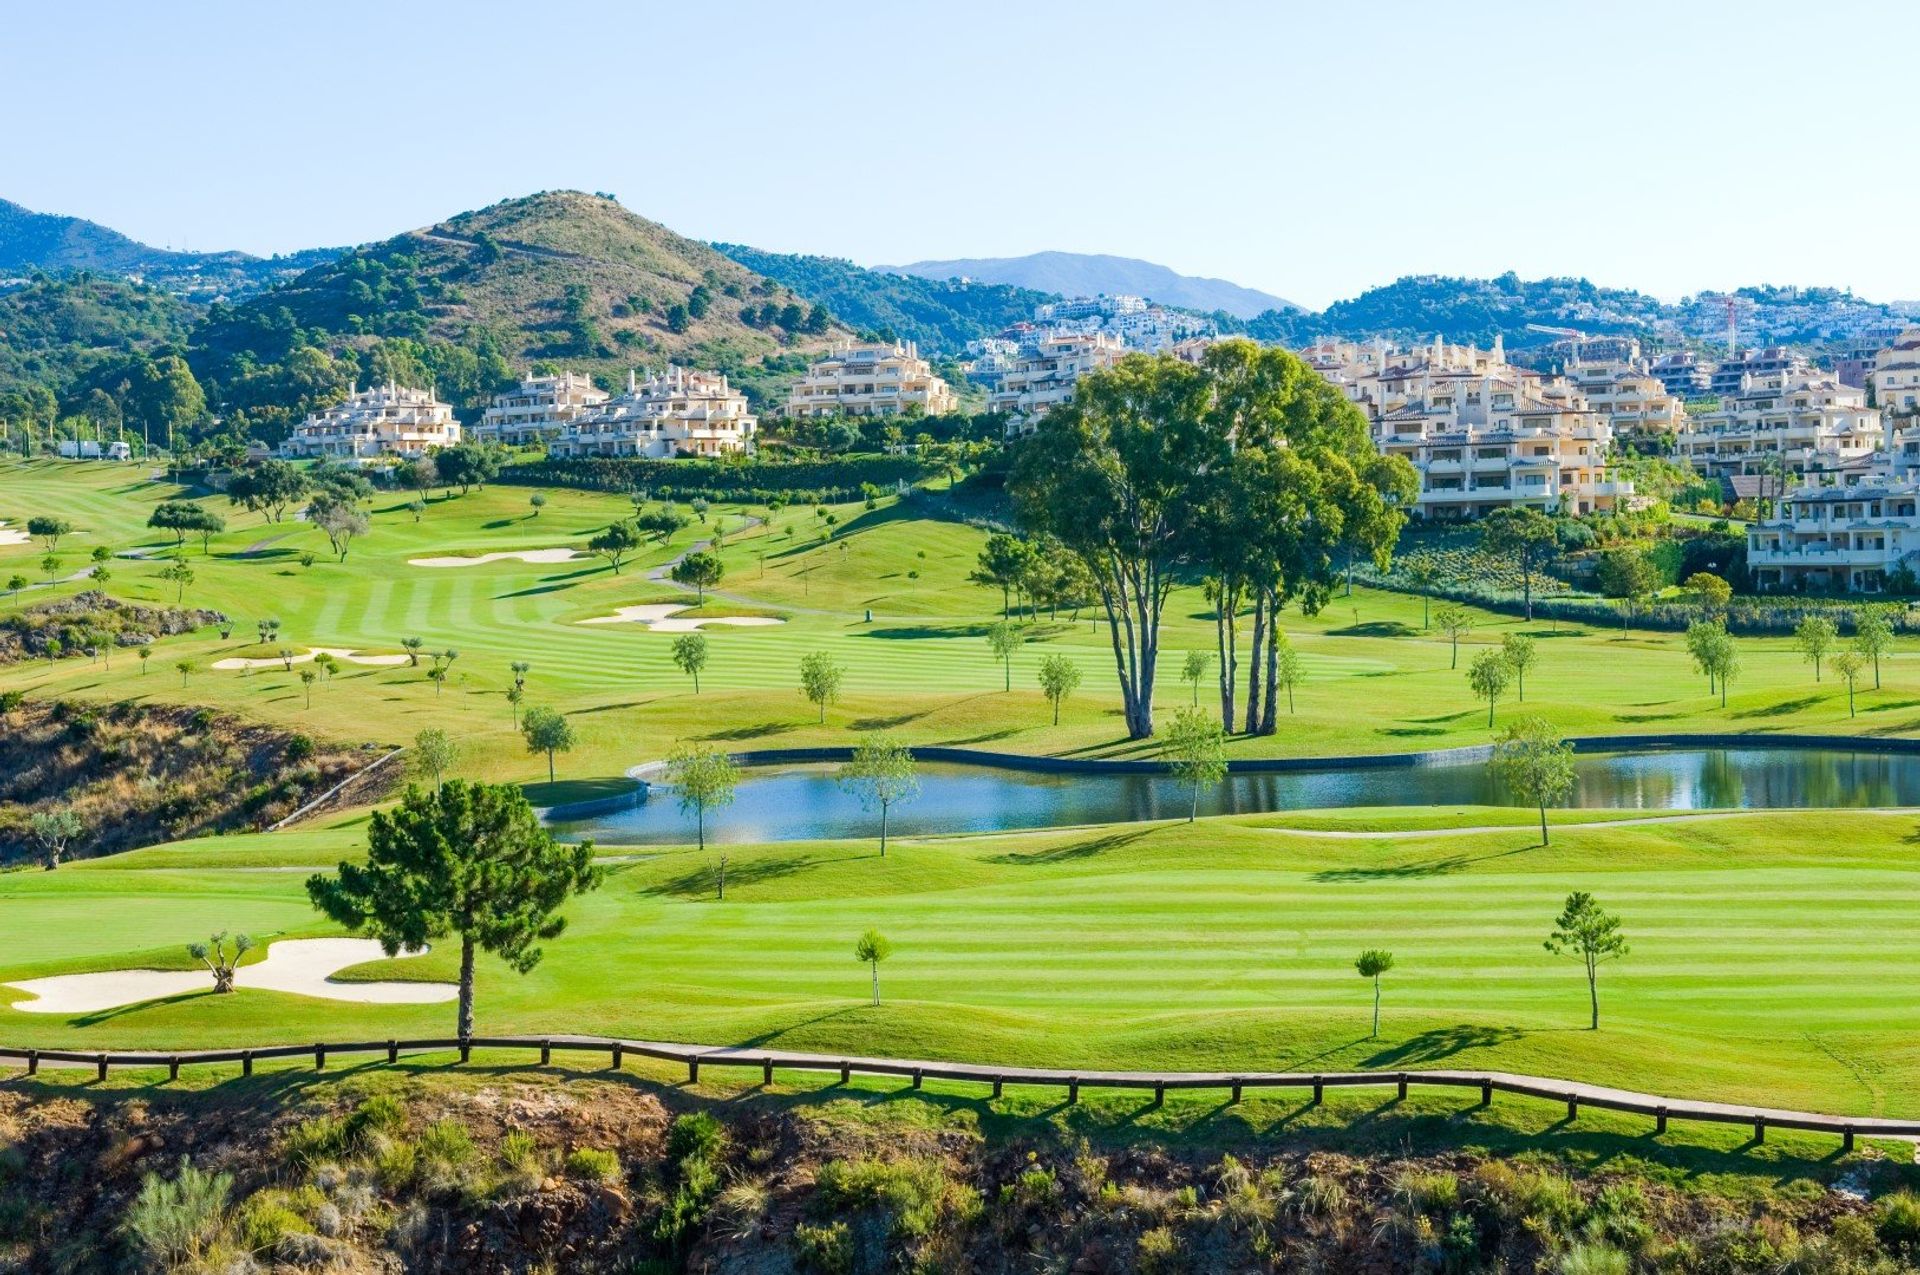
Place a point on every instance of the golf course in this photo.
(1770, 953)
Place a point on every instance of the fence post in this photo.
(1573, 1107)
(1000, 1081)
(1319, 1090)
(33, 1062)
(1846, 1143)
(1073, 1090)
(546, 1052)
(693, 1071)
(103, 1067)
(1759, 1131)
(1236, 1090)
(319, 1057)
(1159, 1093)
(393, 1052)
(616, 1055)
(766, 1071)
(1660, 1120)
(173, 1067)
(246, 1062)
(846, 1071)
(1486, 1093)
(1403, 1086)
(916, 1077)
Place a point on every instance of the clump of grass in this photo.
(739, 1210)
(266, 1218)
(914, 1194)
(591, 1164)
(446, 1143)
(178, 1222)
(1158, 1252)
(695, 1142)
(1429, 1192)
(1896, 1218)
(519, 1153)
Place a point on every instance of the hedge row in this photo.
(815, 481)
(1747, 615)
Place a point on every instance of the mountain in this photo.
(941, 315)
(1416, 307)
(560, 278)
(55, 244)
(1079, 274)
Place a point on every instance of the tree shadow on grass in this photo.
(1442, 1042)
(532, 590)
(1374, 629)
(698, 883)
(1415, 870)
(1402, 732)
(1784, 708)
(1448, 717)
(758, 730)
(918, 631)
(773, 1034)
(887, 723)
(1073, 850)
(108, 1015)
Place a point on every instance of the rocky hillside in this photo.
(560, 278)
(135, 776)
(513, 1173)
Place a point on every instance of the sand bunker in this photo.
(10, 536)
(524, 555)
(656, 616)
(338, 653)
(303, 967)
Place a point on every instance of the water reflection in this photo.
(791, 803)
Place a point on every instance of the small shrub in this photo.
(312, 1143)
(824, 1250)
(910, 1192)
(1896, 1218)
(299, 748)
(519, 1152)
(590, 1164)
(696, 1134)
(175, 1222)
(1158, 1252)
(397, 1165)
(263, 1220)
(382, 1113)
(447, 1142)
(1322, 1197)
(1431, 1193)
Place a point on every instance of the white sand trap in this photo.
(524, 555)
(343, 655)
(656, 616)
(304, 967)
(12, 536)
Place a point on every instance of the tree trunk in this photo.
(883, 830)
(876, 980)
(1543, 825)
(1226, 629)
(1376, 1007)
(1269, 708)
(1260, 635)
(700, 823)
(466, 987)
(549, 765)
(1194, 812)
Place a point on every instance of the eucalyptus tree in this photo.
(1059, 677)
(1814, 637)
(1196, 752)
(705, 779)
(1005, 637)
(1873, 637)
(1536, 764)
(1521, 655)
(1456, 622)
(1488, 675)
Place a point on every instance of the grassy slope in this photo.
(1771, 955)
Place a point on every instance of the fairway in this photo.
(1771, 955)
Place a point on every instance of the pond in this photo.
(804, 802)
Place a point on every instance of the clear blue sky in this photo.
(1308, 149)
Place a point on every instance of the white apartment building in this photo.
(538, 410)
(1043, 374)
(681, 412)
(1807, 421)
(387, 420)
(1631, 398)
(1835, 539)
(1482, 434)
(1102, 306)
(871, 380)
(1896, 376)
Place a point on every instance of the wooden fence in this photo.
(694, 1057)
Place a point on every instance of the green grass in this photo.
(1771, 954)
(921, 667)
(1771, 957)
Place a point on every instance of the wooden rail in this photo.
(1573, 1093)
